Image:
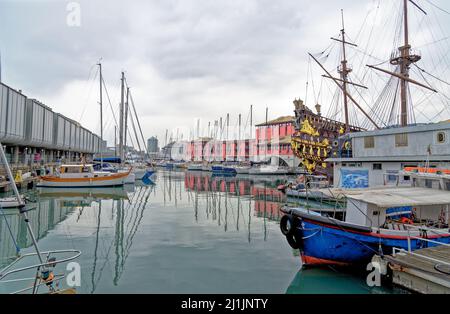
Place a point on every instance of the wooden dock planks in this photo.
(418, 273)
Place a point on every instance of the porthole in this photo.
(441, 137)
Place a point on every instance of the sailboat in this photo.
(84, 175)
(139, 170)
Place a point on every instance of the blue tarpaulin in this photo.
(114, 160)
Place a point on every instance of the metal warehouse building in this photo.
(33, 133)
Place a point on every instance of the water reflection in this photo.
(232, 201)
(185, 232)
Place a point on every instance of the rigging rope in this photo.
(10, 232)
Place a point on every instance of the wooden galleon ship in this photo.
(315, 138)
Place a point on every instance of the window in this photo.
(72, 170)
(401, 140)
(369, 142)
(441, 137)
(377, 167)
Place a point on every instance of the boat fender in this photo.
(288, 225)
(293, 241)
(406, 221)
(47, 276)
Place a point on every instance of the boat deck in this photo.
(419, 271)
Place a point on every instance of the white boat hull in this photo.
(242, 170)
(268, 171)
(195, 168)
(9, 202)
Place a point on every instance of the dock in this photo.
(425, 271)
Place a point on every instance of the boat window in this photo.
(377, 167)
(85, 170)
(441, 137)
(369, 142)
(72, 170)
(401, 140)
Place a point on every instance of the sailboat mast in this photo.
(344, 71)
(404, 68)
(126, 121)
(101, 114)
(122, 96)
(251, 121)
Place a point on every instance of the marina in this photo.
(246, 148)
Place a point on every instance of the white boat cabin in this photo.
(79, 171)
(385, 207)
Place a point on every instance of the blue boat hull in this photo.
(322, 243)
(223, 170)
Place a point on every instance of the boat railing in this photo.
(409, 251)
(47, 265)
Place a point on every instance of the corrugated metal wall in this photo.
(27, 122)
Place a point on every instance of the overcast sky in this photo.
(184, 59)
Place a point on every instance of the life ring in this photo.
(287, 225)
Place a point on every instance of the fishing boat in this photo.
(71, 176)
(375, 222)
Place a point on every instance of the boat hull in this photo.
(195, 168)
(140, 174)
(221, 170)
(9, 202)
(268, 171)
(343, 244)
(107, 181)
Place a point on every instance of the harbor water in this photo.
(182, 232)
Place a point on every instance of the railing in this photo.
(47, 265)
(410, 237)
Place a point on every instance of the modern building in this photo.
(152, 145)
(374, 158)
